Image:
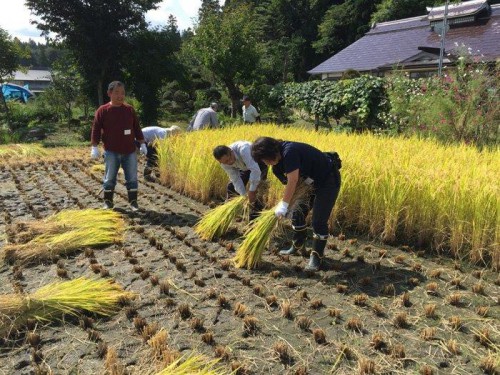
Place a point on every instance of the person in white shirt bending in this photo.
(250, 114)
(237, 161)
(151, 134)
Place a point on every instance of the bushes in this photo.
(358, 102)
(461, 107)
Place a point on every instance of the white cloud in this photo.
(183, 11)
(15, 17)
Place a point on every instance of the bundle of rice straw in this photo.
(216, 221)
(63, 233)
(22, 151)
(63, 297)
(260, 231)
(194, 364)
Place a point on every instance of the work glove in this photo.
(144, 149)
(94, 152)
(281, 209)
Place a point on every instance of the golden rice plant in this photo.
(256, 239)
(61, 297)
(27, 150)
(216, 221)
(194, 364)
(260, 231)
(406, 190)
(64, 233)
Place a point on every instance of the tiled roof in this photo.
(457, 10)
(395, 41)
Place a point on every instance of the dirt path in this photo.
(366, 309)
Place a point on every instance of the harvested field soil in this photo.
(373, 309)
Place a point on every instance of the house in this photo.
(37, 80)
(413, 44)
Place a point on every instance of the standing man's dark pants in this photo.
(322, 201)
(151, 163)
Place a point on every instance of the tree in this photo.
(207, 8)
(66, 88)
(343, 24)
(151, 60)
(95, 31)
(225, 45)
(10, 56)
(397, 9)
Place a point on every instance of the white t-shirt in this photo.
(243, 162)
(153, 132)
(250, 114)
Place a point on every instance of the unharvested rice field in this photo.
(373, 309)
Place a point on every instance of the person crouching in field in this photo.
(151, 134)
(291, 161)
(237, 161)
(116, 123)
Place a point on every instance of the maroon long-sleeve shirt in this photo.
(118, 127)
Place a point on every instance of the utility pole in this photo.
(443, 36)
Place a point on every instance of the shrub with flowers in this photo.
(461, 106)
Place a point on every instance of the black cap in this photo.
(245, 97)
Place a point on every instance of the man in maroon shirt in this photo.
(116, 123)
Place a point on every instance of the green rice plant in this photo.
(64, 233)
(54, 300)
(194, 364)
(216, 222)
(260, 231)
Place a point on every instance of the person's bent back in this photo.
(205, 118)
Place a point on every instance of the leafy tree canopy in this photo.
(11, 55)
(95, 31)
(225, 45)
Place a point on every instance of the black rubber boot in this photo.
(108, 199)
(298, 241)
(148, 174)
(132, 199)
(317, 252)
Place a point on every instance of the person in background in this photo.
(151, 134)
(204, 118)
(117, 125)
(237, 161)
(250, 114)
(291, 161)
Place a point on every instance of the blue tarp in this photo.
(16, 92)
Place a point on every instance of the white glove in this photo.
(144, 149)
(281, 209)
(94, 152)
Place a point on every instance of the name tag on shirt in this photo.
(127, 132)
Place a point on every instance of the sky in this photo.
(15, 17)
